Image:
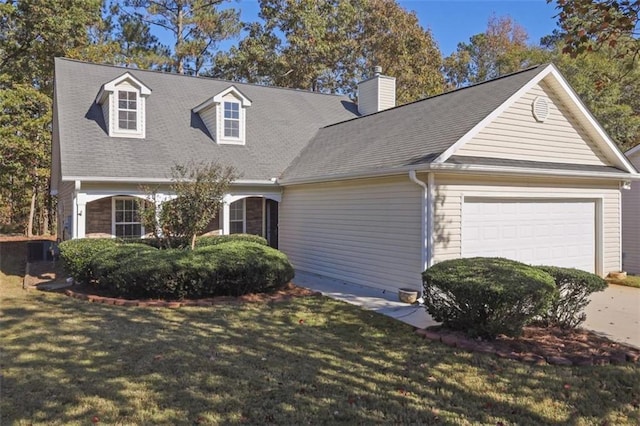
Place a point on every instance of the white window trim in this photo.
(118, 109)
(242, 114)
(244, 215)
(113, 216)
(239, 138)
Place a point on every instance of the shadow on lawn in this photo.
(311, 360)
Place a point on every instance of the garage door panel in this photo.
(550, 232)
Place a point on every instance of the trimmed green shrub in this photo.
(76, 256)
(212, 240)
(234, 268)
(486, 296)
(574, 287)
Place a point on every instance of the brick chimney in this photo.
(376, 93)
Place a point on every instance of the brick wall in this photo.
(98, 216)
(254, 215)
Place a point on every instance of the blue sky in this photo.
(454, 21)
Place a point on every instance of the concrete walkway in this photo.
(369, 298)
(614, 313)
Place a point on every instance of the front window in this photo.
(231, 120)
(127, 221)
(127, 110)
(236, 217)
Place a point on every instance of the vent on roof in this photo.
(540, 108)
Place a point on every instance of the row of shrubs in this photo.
(490, 296)
(218, 266)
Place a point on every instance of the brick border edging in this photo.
(469, 345)
(173, 304)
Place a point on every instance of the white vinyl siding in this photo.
(631, 224)
(376, 94)
(65, 209)
(515, 134)
(365, 232)
(451, 190)
(208, 117)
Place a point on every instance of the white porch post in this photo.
(226, 227)
(81, 217)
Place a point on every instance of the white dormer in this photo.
(225, 116)
(123, 106)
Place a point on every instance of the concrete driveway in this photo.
(614, 313)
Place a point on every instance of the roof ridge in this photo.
(201, 77)
(459, 89)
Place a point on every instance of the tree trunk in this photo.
(193, 242)
(179, 40)
(32, 212)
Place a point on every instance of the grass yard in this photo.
(630, 281)
(313, 360)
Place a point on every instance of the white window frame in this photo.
(225, 119)
(113, 217)
(244, 215)
(127, 110)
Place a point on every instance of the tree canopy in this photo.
(328, 45)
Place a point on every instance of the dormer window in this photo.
(127, 110)
(231, 120)
(225, 116)
(123, 103)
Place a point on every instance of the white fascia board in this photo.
(605, 139)
(246, 102)
(464, 168)
(489, 118)
(111, 86)
(635, 149)
(159, 180)
(203, 106)
(532, 172)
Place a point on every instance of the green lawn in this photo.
(630, 281)
(313, 360)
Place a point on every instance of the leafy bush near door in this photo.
(574, 287)
(486, 296)
(76, 256)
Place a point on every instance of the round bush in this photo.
(76, 256)
(234, 268)
(212, 240)
(486, 296)
(574, 287)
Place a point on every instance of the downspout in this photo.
(427, 219)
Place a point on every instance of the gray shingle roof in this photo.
(280, 123)
(407, 135)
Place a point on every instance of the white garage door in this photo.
(538, 232)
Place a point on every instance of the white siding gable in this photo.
(516, 134)
(212, 114)
(108, 99)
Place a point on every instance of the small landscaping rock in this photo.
(449, 340)
(618, 358)
(582, 361)
(559, 360)
(601, 360)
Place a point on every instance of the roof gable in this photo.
(556, 83)
(112, 85)
(521, 133)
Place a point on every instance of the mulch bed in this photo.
(541, 345)
(288, 292)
